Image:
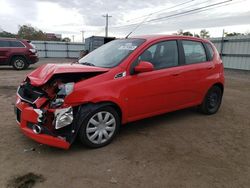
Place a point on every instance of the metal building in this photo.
(94, 42)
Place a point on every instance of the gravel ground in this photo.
(179, 149)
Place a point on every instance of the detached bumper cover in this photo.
(26, 115)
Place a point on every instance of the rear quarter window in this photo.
(194, 52)
(17, 44)
(210, 51)
(4, 43)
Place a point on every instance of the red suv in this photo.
(18, 53)
(122, 81)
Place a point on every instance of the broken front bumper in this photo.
(27, 118)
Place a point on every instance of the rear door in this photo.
(4, 51)
(196, 72)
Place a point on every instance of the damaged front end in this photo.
(42, 113)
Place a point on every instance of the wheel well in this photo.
(115, 106)
(220, 85)
(12, 57)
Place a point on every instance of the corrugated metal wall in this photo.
(59, 49)
(235, 51)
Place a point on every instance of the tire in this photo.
(212, 101)
(19, 63)
(94, 132)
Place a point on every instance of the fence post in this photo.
(45, 49)
(222, 44)
(67, 49)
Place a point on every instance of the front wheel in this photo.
(212, 101)
(100, 127)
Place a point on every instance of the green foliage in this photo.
(66, 39)
(7, 34)
(204, 33)
(232, 34)
(30, 33)
(187, 33)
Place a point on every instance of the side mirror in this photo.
(144, 66)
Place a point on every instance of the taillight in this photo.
(32, 50)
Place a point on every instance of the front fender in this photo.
(78, 98)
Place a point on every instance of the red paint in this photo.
(144, 67)
(147, 93)
(42, 74)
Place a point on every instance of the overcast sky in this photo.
(69, 17)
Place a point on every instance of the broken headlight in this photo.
(64, 90)
(63, 117)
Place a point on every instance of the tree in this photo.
(204, 33)
(7, 34)
(187, 33)
(30, 33)
(180, 32)
(66, 39)
(196, 35)
(232, 34)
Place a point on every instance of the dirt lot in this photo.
(179, 149)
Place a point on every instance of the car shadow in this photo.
(155, 121)
(145, 125)
(12, 69)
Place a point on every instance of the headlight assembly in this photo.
(66, 89)
(63, 117)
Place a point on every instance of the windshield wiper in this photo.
(87, 63)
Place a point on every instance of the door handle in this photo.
(176, 74)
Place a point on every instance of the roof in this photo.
(156, 37)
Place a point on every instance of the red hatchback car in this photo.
(17, 52)
(122, 81)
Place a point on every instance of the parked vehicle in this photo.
(17, 53)
(122, 81)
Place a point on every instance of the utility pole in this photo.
(107, 24)
(82, 35)
(73, 37)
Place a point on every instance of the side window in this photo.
(194, 52)
(4, 43)
(16, 44)
(161, 55)
(210, 51)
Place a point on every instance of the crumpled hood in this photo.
(42, 74)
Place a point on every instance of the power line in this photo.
(193, 10)
(176, 14)
(147, 15)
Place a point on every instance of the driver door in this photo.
(157, 91)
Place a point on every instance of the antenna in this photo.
(137, 26)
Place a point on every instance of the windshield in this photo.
(112, 53)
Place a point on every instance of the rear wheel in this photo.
(99, 127)
(212, 101)
(19, 63)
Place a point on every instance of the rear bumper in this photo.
(26, 115)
